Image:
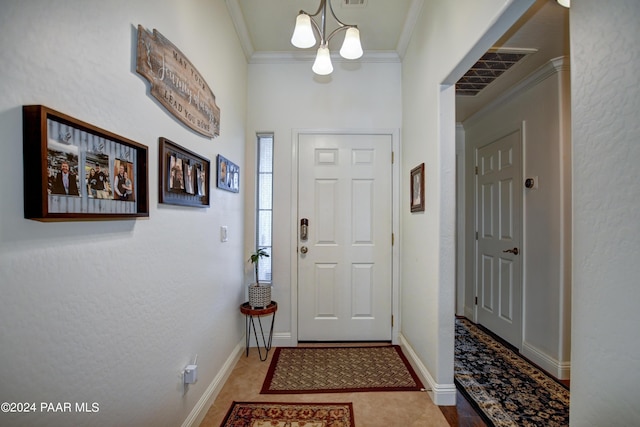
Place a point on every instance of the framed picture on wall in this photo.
(74, 171)
(417, 188)
(183, 176)
(228, 175)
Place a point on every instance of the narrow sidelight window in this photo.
(265, 203)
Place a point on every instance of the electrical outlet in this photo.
(191, 374)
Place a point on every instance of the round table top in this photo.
(247, 309)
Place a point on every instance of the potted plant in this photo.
(259, 295)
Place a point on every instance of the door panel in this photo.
(499, 219)
(345, 276)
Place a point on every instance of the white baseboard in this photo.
(441, 394)
(200, 410)
(560, 370)
(469, 313)
(280, 339)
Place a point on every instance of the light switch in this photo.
(223, 234)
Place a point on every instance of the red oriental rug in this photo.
(339, 370)
(277, 414)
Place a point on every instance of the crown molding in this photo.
(409, 25)
(241, 27)
(309, 56)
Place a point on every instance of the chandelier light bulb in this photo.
(351, 47)
(303, 36)
(322, 65)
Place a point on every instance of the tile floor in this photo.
(372, 409)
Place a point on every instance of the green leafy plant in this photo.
(255, 258)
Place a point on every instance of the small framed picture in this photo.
(183, 176)
(417, 188)
(228, 175)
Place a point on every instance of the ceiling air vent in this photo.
(353, 3)
(488, 68)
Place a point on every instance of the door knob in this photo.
(304, 250)
(514, 251)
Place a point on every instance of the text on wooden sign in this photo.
(176, 83)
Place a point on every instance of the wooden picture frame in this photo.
(61, 156)
(228, 175)
(183, 176)
(417, 188)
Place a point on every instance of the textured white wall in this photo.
(541, 103)
(441, 49)
(605, 384)
(287, 97)
(111, 312)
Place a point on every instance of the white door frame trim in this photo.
(395, 196)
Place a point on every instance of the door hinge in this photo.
(393, 239)
(393, 157)
(392, 320)
(476, 235)
(476, 301)
(476, 170)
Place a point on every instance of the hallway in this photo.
(503, 385)
(111, 312)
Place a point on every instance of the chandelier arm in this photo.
(337, 30)
(323, 19)
(322, 28)
(320, 7)
(342, 24)
(316, 27)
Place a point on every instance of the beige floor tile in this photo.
(372, 409)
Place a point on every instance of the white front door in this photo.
(499, 224)
(345, 263)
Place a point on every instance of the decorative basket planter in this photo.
(259, 296)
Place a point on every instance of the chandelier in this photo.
(304, 37)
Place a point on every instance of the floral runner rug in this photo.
(339, 370)
(505, 388)
(277, 414)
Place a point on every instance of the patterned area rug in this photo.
(275, 414)
(339, 370)
(505, 388)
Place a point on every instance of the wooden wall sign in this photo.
(176, 83)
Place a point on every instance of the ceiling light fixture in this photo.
(304, 37)
(565, 3)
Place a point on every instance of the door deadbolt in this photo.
(304, 250)
(304, 229)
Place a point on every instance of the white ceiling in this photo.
(269, 23)
(265, 28)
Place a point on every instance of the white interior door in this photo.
(345, 263)
(499, 225)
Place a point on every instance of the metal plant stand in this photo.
(250, 314)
